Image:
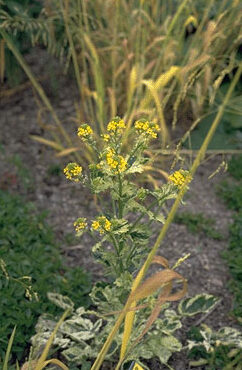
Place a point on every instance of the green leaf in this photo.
(201, 303)
(230, 336)
(61, 301)
(135, 168)
(100, 184)
(163, 346)
(167, 191)
(7, 355)
(120, 226)
(160, 218)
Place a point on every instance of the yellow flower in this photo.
(73, 172)
(101, 224)
(106, 137)
(95, 225)
(150, 129)
(116, 162)
(80, 224)
(180, 178)
(84, 131)
(116, 126)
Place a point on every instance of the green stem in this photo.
(120, 203)
(114, 208)
(117, 249)
(115, 244)
(130, 254)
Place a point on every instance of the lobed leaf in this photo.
(201, 303)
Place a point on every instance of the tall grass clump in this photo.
(159, 60)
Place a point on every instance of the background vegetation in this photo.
(28, 249)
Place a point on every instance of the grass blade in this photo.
(55, 361)
(10, 343)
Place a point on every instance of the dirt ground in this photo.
(205, 270)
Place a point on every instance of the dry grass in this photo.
(139, 58)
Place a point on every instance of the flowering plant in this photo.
(124, 238)
(124, 227)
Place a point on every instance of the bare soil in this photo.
(205, 270)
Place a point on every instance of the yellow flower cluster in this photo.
(73, 172)
(106, 137)
(80, 224)
(116, 162)
(101, 224)
(146, 127)
(116, 126)
(180, 178)
(84, 131)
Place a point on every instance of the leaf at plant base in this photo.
(44, 328)
(140, 351)
(81, 329)
(230, 336)
(169, 323)
(171, 343)
(78, 353)
(60, 300)
(201, 303)
(163, 346)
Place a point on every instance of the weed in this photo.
(23, 172)
(198, 223)
(235, 167)
(233, 258)
(231, 192)
(215, 350)
(28, 249)
(54, 170)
